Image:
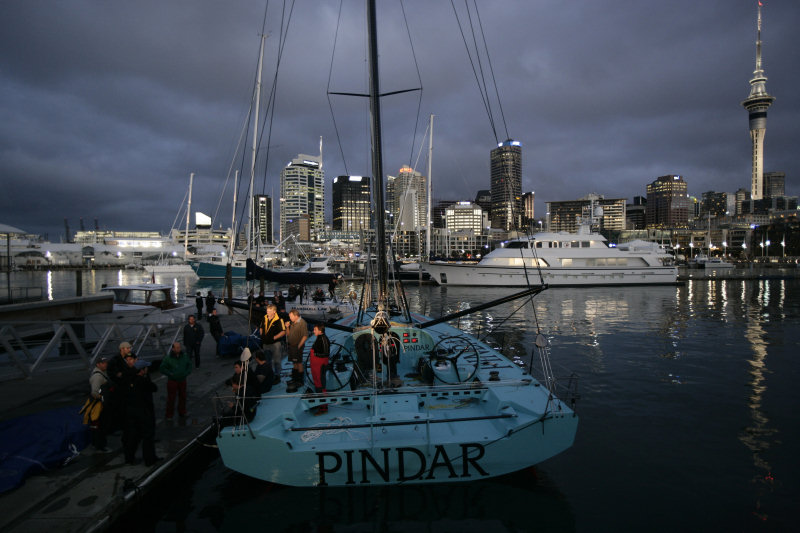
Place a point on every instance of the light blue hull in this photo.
(206, 270)
(406, 431)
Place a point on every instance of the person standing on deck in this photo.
(272, 331)
(97, 380)
(210, 301)
(192, 338)
(215, 328)
(176, 366)
(295, 341)
(198, 302)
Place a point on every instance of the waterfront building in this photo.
(262, 218)
(528, 212)
(506, 185)
(635, 213)
(741, 195)
(756, 105)
(439, 210)
(774, 184)
(351, 203)
(409, 208)
(567, 215)
(715, 204)
(300, 227)
(464, 216)
(483, 198)
(667, 203)
(303, 193)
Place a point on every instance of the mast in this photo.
(257, 99)
(430, 192)
(377, 153)
(188, 215)
(231, 244)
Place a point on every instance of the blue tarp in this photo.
(40, 442)
(231, 343)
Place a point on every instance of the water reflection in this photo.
(511, 503)
(759, 436)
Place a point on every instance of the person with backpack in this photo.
(95, 413)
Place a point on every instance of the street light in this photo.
(725, 248)
(783, 248)
(767, 243)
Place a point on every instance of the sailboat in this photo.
(406, 398)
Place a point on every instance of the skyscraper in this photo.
(262, 207)
(667, 203)
(351, 203)
(506, 185)
(302, 192)
(410, 199)
(757, 104)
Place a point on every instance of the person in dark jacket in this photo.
(176, 367)
(263, 373)
(192, 339)
(210, 301)
(215, 327)
(140, 415)
(198, 302)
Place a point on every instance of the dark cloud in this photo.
(106, 107)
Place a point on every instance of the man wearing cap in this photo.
(176, 366)
(192, 338)
(140, 417)
(97, 379)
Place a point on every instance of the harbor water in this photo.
(687, 421)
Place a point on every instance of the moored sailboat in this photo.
(402, 397)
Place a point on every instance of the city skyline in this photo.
(107, 111)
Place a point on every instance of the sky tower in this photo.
(757, 104)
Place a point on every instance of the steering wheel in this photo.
(340, 368)
(445, 356)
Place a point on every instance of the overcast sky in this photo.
(107, 106)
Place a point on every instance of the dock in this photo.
(95, 489)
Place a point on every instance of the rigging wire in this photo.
(419, 79)
(328, 90)
(491, 68)
(484, 96)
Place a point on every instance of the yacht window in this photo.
(566, 262)
(585, 244)
(575, 244)
(538, 244)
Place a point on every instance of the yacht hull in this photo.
(406, 429)
(491, 276)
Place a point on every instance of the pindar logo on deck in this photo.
(441, 464)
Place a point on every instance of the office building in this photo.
(635, 213)
(506, 185)
(409, 207)
(262, 219)
(302, 193)
(774, 184)
(528, 212)
(351, 203)
(609, 214)
(464, 216)
(667, 203)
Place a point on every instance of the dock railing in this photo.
(28, 347)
